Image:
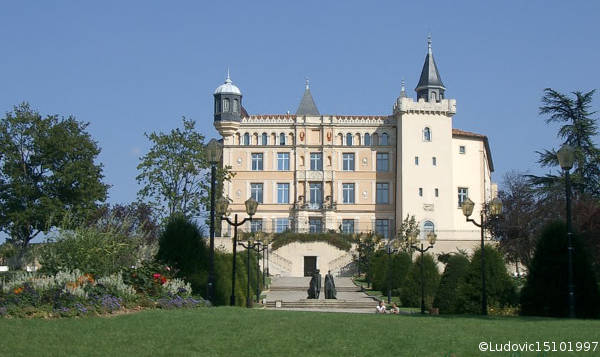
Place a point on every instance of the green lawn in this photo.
(226, 331)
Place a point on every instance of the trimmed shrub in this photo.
(500, 288)
(181, 246)
(546, 291)
(446, 298)
(411, 293)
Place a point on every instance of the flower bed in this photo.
(73, 293)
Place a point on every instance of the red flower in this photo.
(163, 280)
(156, 275)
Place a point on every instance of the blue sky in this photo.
(130, 67)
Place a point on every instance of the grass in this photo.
(227, 331)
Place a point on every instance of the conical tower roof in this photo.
(430, 77)
(307, 104)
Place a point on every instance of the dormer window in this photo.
(427, 134)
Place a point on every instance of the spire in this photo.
(403, 90)
(430, 83)
(307, 104)
(228, 79)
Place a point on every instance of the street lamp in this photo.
(566, 158)
(251, 206)
(215, 151)
(251, 246)
(391, 248)
(431, 237)
(495, 210)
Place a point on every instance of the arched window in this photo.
(357, 139)
(384, 139)
(282, 139)
(236, 105)
(255, 139)
(376, 139)
(367, 139)
(427, 134)
(349, 139)
(433, 97)
(341, 137)
(428, 226)
(265, 139)
(225, 105)
(246, 139)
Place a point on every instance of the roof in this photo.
(228, 87)
(430, 76)
(307, 104)
(469, 135)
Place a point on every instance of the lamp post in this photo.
(250, 246)
(215, 151)
(431, 240)
(391, 248)
(566, 157)
(496, 209)
(251, 206)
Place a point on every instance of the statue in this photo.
(314, 288)
(330, 291)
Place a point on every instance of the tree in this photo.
(446, 298)
(181, 246)
(408, 226)
(500, 288)
(411, 292)
(365, 250)
(138, 216)
(47, 170)
(546, 291)
(174, 172)
(578, 130)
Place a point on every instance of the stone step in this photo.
(304, 288)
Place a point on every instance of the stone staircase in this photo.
(289, 293)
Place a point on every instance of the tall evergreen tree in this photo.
(578, 130)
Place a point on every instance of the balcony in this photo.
(315, 206)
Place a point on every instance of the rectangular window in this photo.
(382, 227)
(256, 192)
(316, 195)
(421, 191)
(461, 149)
(257, 162)
(383, 193)
(315, 225)
(283, 161)
(348, 193)
(434, 161)
(316, 161)
(463, 193)
(256, 225)
(437, 192)
(348, 226)
(348, 162)
(281, 225)
(416, 160)
(283, 193)
(383, 161)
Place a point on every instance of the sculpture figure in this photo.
(330, 292)
(314, 288)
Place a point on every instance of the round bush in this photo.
(546, 291)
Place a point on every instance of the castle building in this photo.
(314, 172)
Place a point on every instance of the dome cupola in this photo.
(228, 102)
